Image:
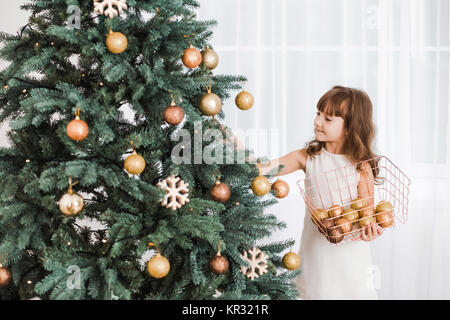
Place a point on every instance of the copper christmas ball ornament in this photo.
(220, 192)
(281, 188)
(326, 224)
(261, 186)
(291, 261)
(71, 204)
(5, 276)
(350, 214)
(192, 57)
(116, 42)
(173, 114)
(244, 100)
(77, 129)
(135, 163)
(210, 58)
(345, 224)
(158, 266)
(218, 264)
(210, 104)
(335, 235)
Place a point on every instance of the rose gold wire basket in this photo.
(343, 201)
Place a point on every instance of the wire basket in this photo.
(343, 201)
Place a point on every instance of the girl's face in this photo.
(328, 128)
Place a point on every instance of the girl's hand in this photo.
(370, 233)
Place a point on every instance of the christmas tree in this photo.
(94, 205)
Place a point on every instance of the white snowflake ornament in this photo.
(99, 7)
(176, 192)
(258, 262)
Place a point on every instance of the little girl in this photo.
(343, 135)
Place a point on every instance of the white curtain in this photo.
(293, 51)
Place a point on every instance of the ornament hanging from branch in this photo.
(177, 192)
(71, 203)
(111, 12)
(258, 263)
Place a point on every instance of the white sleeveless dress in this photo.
(330, 271)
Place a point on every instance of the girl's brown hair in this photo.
(355, 107)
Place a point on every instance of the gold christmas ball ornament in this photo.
(291, 261)
(358, 203)
(71, 203)
(158, 266)
(220, 192)
(351, 214)
(281, 188)
(261, 186)
(192, 58)
(244, 100)
(210, 104)
(5, 276)
(77, 129)
(210, 58)
(116, 42)
(335, 211)
(135, 163)
(173, 114)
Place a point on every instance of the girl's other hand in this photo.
(370, 233)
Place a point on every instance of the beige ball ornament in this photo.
(71, 203)
(244, 100)
(210, 58)
(210, 103)
(116, 42)
(135, 163)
